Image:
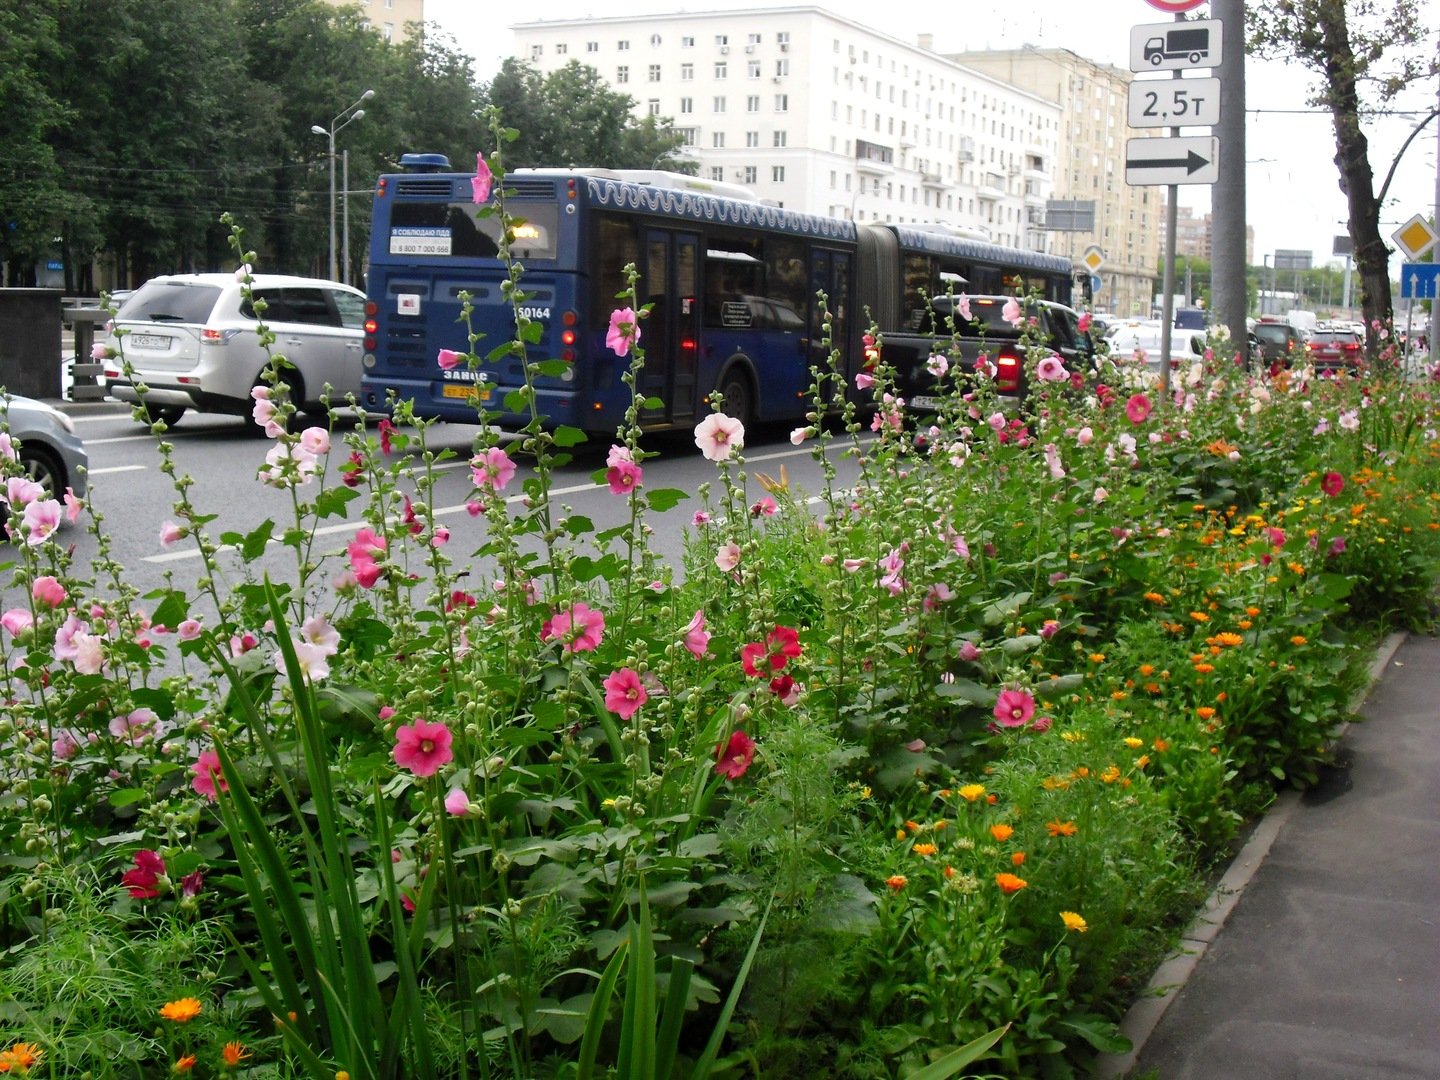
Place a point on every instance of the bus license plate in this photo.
(453, 390)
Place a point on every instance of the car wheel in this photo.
(738, 394)
(43, 468)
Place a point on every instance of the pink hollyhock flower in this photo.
(21, 491)
(1337, 547)
(718, 436)
(1052, 462)
(440, 537)
(1084, 437)
(961, 548)
(100, 351)
(315, 441)
(188, 630)
(317, 631)
(492, 469)
(937, 594)
(937, 365)
(781, 646)
(387, 431)
(313, 660)
(170, 533)
(17, 621)
(799, 435)
(1084, 322)
(624, 693)
(697, 640)
(449, 359)
(623, 477)
(1332, 483)
(422, 747)
(41, 518)
(1051, 369)
(457, 802)
(579, 628)
(65, 746)
(1042, 724)
(728, 557)
(1138, 408)
(962, 305)
(73, 505)
(242, 643)
(1050, 628)
(1011, 312)
(864, 380)
(481, 181)
(700, 519)
(733, 758)
(764, 507)
(624, 331)
(46, 590)
(208, 779)
(148, 877)
(134, 727)
(1014, 708)
(851, 566)
(89, 653)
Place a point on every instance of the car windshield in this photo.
(170, 301)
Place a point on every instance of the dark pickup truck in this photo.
(986, 333)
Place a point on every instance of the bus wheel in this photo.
(738, 394)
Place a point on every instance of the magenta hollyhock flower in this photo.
(492, 469)
(718, 436)
(387, 430)
(624, 693)
(208, 779)
(48, 591)
(697, 639)
(1084, 322)
(579, 628)
(1014, 708)
(1332, 483)
(481, 181)
(449, 359)
(1138, 408)
(733, 758)
(1276, 537)
(145, 880)
(1337, 547)
(422, 747)
(780, 647)
(623, 477)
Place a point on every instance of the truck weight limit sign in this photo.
(1175, 46)
(1174, 103)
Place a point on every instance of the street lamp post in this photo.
(345, 116)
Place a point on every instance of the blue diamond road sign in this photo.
(1419, 281)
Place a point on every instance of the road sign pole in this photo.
(1167, 304)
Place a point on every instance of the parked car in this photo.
(1185, 345)
(44, 443)
(1336, 350)
(192, 340)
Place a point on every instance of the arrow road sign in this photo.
(1188, 160)
(1419, 281)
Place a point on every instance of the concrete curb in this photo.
(1170, 977)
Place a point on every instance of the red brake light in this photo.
(371, 308)
(1007, 376)
(371, 326)
(567, 337)
(570, 318)
(211, 336)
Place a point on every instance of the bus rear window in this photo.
(446, 230)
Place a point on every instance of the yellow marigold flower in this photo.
(925, 850)
(184, 1065)
(1054, 783)
(1111, 774)
(234, 1053)
(1081, 771)
(1061, 828)
(1142, 761)
(865, 792)
(1073, 736)
(1296, 568)
(1009, 883)
(1298, 639)
(182, 1010)
(897, 882)
(20, 1056)
(1074, 922)
(1133, 743)
(1002, 832)
(971, 792)
(1204, 712)
(901, 834)
(1199, 616)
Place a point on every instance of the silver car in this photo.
(45, 446)
(192, 341)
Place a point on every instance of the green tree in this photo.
(1365, 53)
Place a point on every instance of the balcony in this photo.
(873, 159)
(933, 181)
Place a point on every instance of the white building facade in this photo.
(822, 114)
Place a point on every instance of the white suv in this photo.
(192, 341)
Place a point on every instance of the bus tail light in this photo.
(371, 309)
(1007, 376)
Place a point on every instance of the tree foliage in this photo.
(1365, 52)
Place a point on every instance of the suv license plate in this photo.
(150, 341)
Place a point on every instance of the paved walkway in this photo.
(1328, 963)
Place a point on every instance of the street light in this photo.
(345, 116)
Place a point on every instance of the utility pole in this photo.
(1227, 197)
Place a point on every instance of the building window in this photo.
(536, 51)
(720, 69)
(688, 135)
(752, 138)
(782, 67)
(783, 38)
(779, 138)
(752, 103)
(753, 39)
(717, 140)
(687, 72)
(717, 172)
(655, 39)
(592, 46)
(777, 173)
(622, 74)
(654, 74)
(652, 107)
(752, 69)
(687, 43)
(388, 33)
(623, 46)
(748, 174)
(718, 105)
(782, 102)
(561, 49)
(722, 39)
(687, 105)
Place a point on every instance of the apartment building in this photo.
(1194, 236)
(1093, 99)
(388, 17)
(822, 114)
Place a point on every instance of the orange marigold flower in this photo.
(1229, 639)
(897, 882)
(20, 1056)
(1061, 828)
(913, 826)
(992, 798)
(1001, 832)
(1204, 669)
(1081, 771)
(1146, 670)
(1073, 921)
(1245, 624)
(1009, 883)
(1152, 688)
(971, 792)
(1017, 859)
(1199, 616)
(1118, 695)
(1252, 611)
(949, 872)
(1160, 746)
(1097, 657)
(1154, 598)
(184, 1065)
(1298, 639)
(1142, 761)
(1204, 712)
(181, 1010)
(925, 850)
(1111, 774)
(234, 1053)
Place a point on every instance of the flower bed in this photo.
(938, 766)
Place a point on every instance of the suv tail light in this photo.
(1007, 375)
(210, 336)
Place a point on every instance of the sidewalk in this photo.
(1328, 963)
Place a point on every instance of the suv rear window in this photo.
(170, 301)
(1274, 334)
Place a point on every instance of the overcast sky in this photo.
(1293, 197)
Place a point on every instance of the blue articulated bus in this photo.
(733, 286)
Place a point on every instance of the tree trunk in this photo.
(1352, 156)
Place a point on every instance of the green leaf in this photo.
(255, 542)
(332, 501)
(662, 499)
(966, 690)
(951, 1064)
(172, 611)
(568, 436)
(126, 796)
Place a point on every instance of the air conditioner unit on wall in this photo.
(749, 48)
(724, 50)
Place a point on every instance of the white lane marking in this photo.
(116, 468)
(119, 439)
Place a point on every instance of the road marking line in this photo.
(115, 469)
